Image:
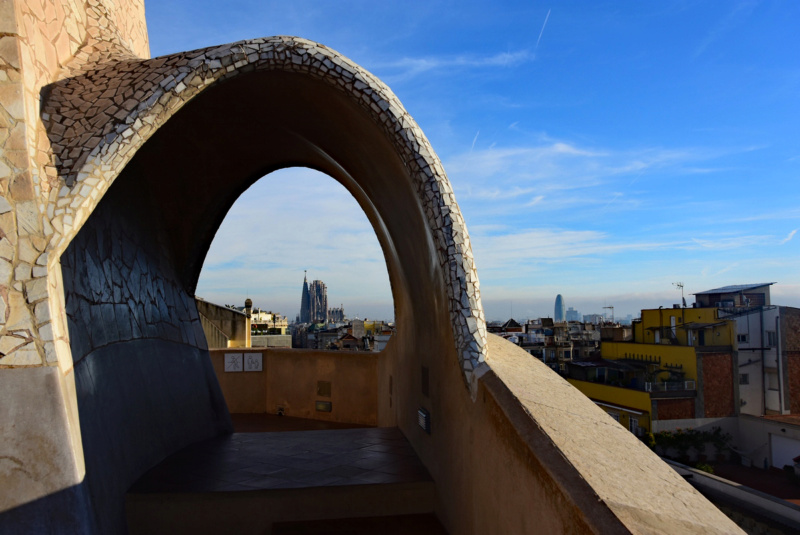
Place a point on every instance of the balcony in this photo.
(670, 386)
(672, 389)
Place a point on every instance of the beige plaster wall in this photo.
(233, 324)
(289, 380)
(42, 41)
(533, 455)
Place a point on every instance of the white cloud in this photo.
(496, 250)
(409, 67)
(793, 213)
(730, 242)
(536, 200)
(556, 164)
(788, 238)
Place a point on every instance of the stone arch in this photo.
(99, 124)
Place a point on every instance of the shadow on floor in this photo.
(260, 423)
(360, 480)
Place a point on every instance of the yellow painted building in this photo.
(657, 375)
(684, 326)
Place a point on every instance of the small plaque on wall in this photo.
(234, 362)
(253, 362)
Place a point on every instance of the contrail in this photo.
(541, 33)
(474, 140)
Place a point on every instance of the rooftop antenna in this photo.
(679, 285)
(612, 313)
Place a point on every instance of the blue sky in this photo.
(601, 150)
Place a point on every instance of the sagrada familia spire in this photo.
(314, 302)
(305, 301)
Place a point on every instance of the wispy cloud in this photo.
(555, 165)
(407, 68)
(793, 213)
(495, 194)
(536, 200)
(788, 238)
(733, 242)
(501, 249)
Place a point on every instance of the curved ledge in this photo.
(618, 484)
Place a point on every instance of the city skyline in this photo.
(598, 153)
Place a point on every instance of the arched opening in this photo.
(130, 274)
(288, 223)
(274, 365)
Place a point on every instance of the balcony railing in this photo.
(672, 386)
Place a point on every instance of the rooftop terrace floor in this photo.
(356, 480)
(288, 459)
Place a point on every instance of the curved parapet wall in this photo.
(595, 471)
(99, 120)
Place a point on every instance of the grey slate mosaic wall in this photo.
(144, 383)
(119, 282)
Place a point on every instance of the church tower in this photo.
(305, 302)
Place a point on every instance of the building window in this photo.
(633, 425)
(614, 415)
(772, 339)
(744, 378)
(743, 338)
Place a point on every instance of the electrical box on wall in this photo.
(424, 420)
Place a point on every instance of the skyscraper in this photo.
(560, 311)
(573, 315)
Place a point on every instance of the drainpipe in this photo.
(781, 395)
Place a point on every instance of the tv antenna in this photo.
(679, 285)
